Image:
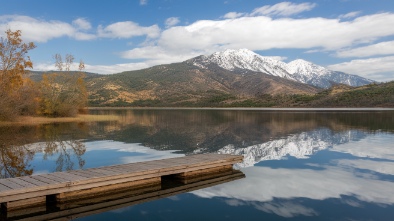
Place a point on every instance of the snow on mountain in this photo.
(297, 70)
(244, 59)
(306, 68)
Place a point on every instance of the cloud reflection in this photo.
(286, 209)
(376, 146)
(264, 185)
(142, 153)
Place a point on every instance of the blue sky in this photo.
(354, 36)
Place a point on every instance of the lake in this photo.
(299, 164)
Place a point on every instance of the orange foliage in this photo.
(13, 86)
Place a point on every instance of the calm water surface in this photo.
(299, 165)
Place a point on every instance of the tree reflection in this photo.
(19, 146)
(59, 142)
(15, 157)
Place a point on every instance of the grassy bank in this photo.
(28, 120)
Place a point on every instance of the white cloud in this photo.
(283, 9)
(350, 15)
(143, 2)
(155, 55)
(263, 33)
(382, 48)
(127, 29)
(116, 68)
(83, 36)
(82, 24)
(100, 69)
(232, 15)
(171, 21)
(42, 31)
(379, 69)
(37, 30)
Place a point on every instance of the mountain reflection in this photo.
(257, 134)
(200, 131)
(356, 174)
(296, 163)
(299, 145)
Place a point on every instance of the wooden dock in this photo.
(115, 200)
(52, 188)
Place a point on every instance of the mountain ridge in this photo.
(203, 82)
(298, 70)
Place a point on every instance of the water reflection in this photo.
(300, 145)
(19, 146)
(199, 131)
(296, 163)
(256, 134)
(63, 146)
(356, 180)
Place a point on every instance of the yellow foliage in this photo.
(62, 94)
(13, 88)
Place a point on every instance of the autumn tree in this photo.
(13, 64)
(64, 92)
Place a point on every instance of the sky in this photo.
(353, 36)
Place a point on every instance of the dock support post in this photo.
(3, 211)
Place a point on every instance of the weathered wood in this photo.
(112, 195)
(81, 194)
(18, 204)
(23, 183)
(26, 211)
(91, 180)
(4, 188)
(69, 176)
(43, 179)
(10, 184)
(76, 209)
(31, 180)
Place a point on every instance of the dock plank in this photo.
(11, 185)
(4, 188)
(22, 183)
(69, 176)
(28, 187)
(55, 178)
(31, 180)
(86, 173)
(105, 171)
(44, 179)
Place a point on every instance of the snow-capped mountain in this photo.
(244, 59)
(298, 70)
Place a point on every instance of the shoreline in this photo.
(81, 118)
(251, 108)
(85, 118)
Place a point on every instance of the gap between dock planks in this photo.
(12, 189)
